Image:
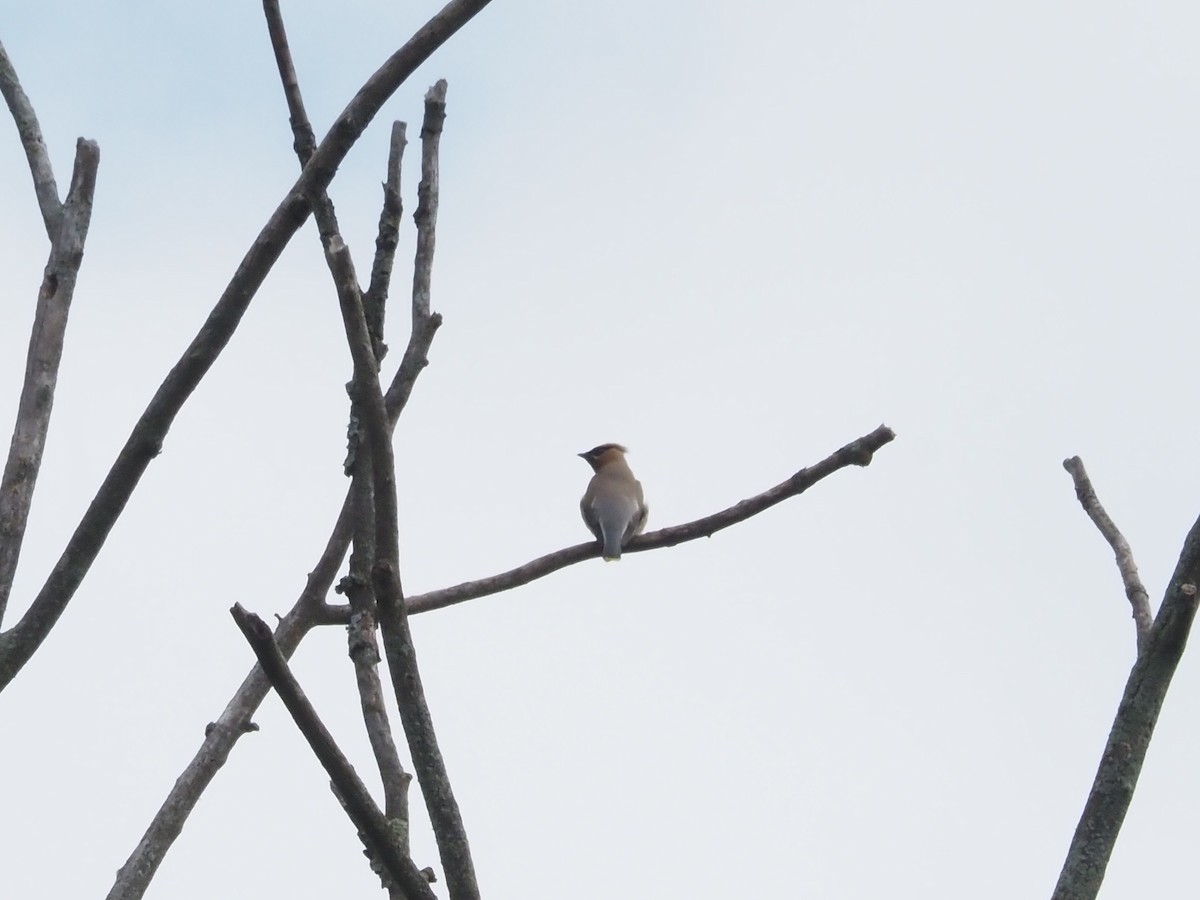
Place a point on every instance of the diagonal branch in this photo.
(1139, 599)
(34, 144)
(304, 140)
(42, 363)
(353, 793)
(19, 644)
(220, 737)
(856, 453)
(1121, 765)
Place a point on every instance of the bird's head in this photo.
(600, 456)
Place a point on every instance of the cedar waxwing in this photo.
(613, 506)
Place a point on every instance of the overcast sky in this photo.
(733, 236)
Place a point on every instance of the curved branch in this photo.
(1139, 599)
(856, 453)
(18, 645)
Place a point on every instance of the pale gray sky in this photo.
(733, 238)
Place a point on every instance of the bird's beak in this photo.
(581, 455)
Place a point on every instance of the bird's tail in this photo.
(612, 546)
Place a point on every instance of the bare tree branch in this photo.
(305, 141)
(363, 648)
(856, 453)
(45, 354)
(428, 192)
(388, 237)
(397, 641)
(364, 652)
(34, 144)
(415, 359)
(1139, 599)
(309, 610)
(449, 831)
(220, 737)
(1121, 765)
(19, 643)
(355, 798)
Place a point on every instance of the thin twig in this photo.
(305, 141)
(34, 144)
(19, 644)
(386, 240)
(302, 133)
(41, 366)
(1139, 599)
(354, 795)
(414, 361)
(427, 197)
(425, 323)
(1121, 765)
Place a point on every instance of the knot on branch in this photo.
(362, 646)
(350, 584)
(860, 455)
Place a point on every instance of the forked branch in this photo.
(19, 644)
(355, 798)
(220, 737)
(42, 363)
(1125, 752)
(310, 609)
(67, 227)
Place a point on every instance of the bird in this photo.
(613, 506)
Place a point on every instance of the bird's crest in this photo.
(602, 453)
